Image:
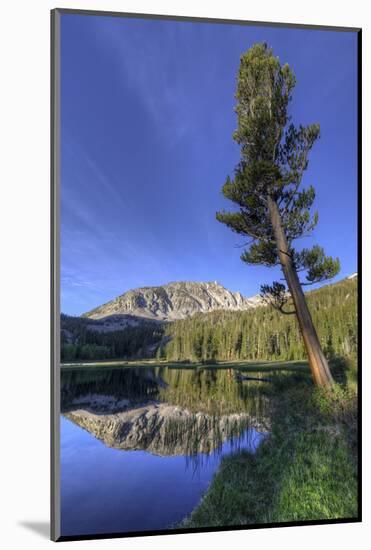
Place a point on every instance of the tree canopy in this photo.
(274, 157)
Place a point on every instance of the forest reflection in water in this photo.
(139, 445)
(164, 410)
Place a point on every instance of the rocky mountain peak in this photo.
(175, 300)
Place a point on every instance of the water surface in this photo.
(140, 446)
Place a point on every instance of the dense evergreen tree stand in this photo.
(264, 334)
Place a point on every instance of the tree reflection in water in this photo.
(165, 411)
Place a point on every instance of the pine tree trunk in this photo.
(317, 360)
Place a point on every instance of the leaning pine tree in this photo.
(273, 211)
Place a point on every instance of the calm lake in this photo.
(139, 446)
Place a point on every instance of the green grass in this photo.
(306, 469)
(320, 482)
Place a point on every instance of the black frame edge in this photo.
(198, 19)
(55, 528)
(359, 263)
(132, 534)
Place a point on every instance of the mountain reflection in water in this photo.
(148, 432)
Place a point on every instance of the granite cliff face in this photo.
(174, 301)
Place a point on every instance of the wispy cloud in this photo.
(155, 78)
(97, 178)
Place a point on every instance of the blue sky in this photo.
(147, 116)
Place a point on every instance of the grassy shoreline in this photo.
(248, 366)
(305, 470)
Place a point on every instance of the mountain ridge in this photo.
(174, 301)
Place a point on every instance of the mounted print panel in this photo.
(205, 178)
